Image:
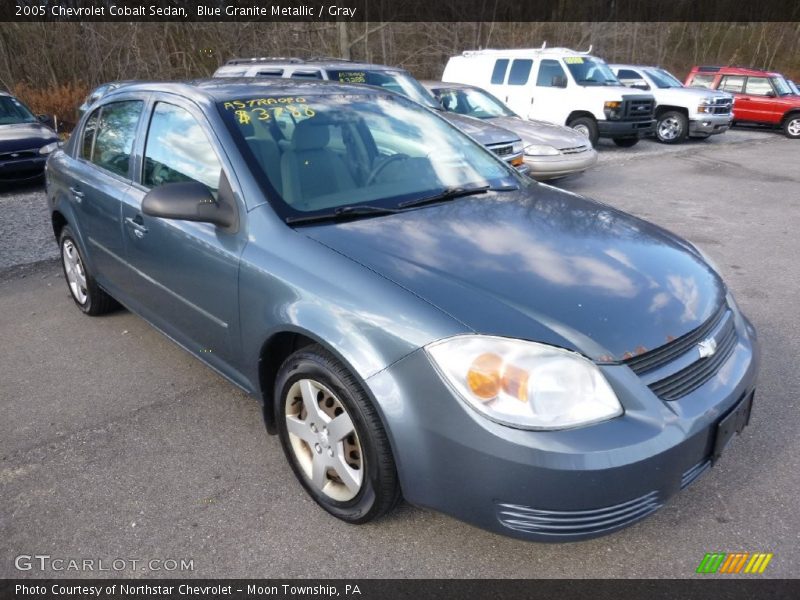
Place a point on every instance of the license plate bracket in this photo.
(734, 422)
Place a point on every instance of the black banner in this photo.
(405, 10)
(737, 588)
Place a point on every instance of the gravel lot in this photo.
(115, 443)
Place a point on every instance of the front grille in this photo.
(638, 108)
(692, 377)
(19, 154)
(662, 355)
(721, 106)
(691, 474)
(574, 150)
(502, 150)
(576, 522)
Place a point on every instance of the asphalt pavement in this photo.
(116, 444)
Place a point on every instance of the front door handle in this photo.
(76, 193)
(136, 224)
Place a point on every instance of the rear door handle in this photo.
(136, 224)
(76, 193)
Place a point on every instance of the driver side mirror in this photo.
(639, 85)
(558, 81)
(770, 94)
(48, 120)
(192, 201)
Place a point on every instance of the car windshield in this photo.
(587, 70)
(394, 81)
(781, 86)
(319, 153)
(795, 90)
(12, 111)
(473, 103)
(663, 79)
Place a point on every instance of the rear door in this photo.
(758, 101)
(518, 85)
(184, 275)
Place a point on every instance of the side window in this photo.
(732, 83)
(520, 71)
(499, 71)
(270, 73)
(177, 150)
(113, 140)
(758, 86)
(88, 135)
(551, 74)
(306, 75)
(704, 81)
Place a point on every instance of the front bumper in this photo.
(704, 125)
(550, 167)
(14, 170)
(626, 129)
(556, 485)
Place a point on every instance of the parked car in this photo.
(502, 142)
(681, 112)
(25, 140)
(561, 86)
(416, 316)
(760, 97)
(549, 150)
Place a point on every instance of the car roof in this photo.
(219, 89)
(623, 66)
(435, 85)
(734, 71)
(321, 62)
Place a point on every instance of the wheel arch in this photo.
(58, 221)
(662, 108)
(576, 114)
(791, 113)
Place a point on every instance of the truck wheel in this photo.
(587, 126)
(672, 127)
(791, 126)
(626, 142)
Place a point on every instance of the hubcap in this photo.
(73, 267)
(324, 440)
(582, 129)
(794, 127)
(669, 129)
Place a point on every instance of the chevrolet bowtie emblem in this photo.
(707, 347)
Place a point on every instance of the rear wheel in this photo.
(587, 126)
(333, 437)
(672, 127)
(791, 126)
(626, 142)
(89, 297)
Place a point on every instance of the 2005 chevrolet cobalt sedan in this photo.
(417, 318)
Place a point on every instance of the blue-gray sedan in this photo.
(417, 318)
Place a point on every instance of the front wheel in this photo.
(791, 126)
(586, 126)
(333, 437)
(626, 142)
(672, 127)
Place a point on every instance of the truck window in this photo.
(306, 75)
(704, 81)
(270, 73)
(551, 74)
(732, 83)
(520, 71)
(499, 72)
(758, 86)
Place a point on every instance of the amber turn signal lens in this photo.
(516, 161)
(483, 377)
(515, 382)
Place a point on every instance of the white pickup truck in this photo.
(681, 112)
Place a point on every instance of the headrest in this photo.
(309, 135)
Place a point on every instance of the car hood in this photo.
(25, 136)
(484, 132)
(540, 132)
(540, 264)
(687, 93)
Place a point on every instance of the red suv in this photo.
(759, 96)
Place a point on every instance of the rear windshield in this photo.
(394, 81)
(13, 111)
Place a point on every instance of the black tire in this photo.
(96, 301)
(672, 127)
(626, 142)
(588, 127)
(380, 488)
(791, 126)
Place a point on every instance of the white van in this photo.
(561, 86)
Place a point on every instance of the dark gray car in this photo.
(417, 318)
(25, 141)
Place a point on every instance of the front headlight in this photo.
(540, 150)
(51, 147)
(612, 109)
(525, 384)
(516, 147)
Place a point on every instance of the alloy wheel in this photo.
(669, 129)
(793, 127)
(76, 275)
(324, 441)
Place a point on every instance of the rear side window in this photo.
(520, 71)
(758, 86)
(551, 74)
(499, 72)
(732, 83)
(177, 150)
(306, 75)
(270, 73)
(702, 81)
(626, 74)
(88, 135)
(115, 132)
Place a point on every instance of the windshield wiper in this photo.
(446, 194)
(342, 212)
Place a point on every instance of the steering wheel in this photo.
(382, 164)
